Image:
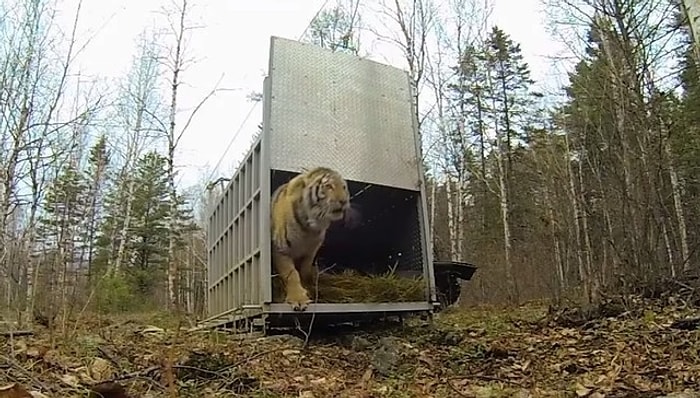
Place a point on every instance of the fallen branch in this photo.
(17, 333)
(219, 372)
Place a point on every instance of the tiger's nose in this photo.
(343, 202)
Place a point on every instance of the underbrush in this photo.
(646, 347)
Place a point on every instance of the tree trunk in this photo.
(451, 219)
(503, 196)
(433, 194)
(573, 196)
(123, 234)
(591, 278)
(677, 189)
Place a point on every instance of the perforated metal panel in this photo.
(341, 111)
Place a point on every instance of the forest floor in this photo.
(632, 348)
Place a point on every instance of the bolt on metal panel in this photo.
(342, 111)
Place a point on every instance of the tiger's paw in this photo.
(298, 299)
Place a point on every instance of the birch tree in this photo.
(34, 78)
(136, 111)
(338, 28)
(410, 24)
(176, 63)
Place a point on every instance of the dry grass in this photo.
(349, 286)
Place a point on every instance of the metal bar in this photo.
(265, 274)
(330, 308)
(426, 239)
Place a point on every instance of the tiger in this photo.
(302, 210)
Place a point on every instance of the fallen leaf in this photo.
(13, 390)
(152, 329)
(319, 381)
(101, 369)
(582, 391)
(367, 376)
(70, 380)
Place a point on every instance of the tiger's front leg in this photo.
(308, 271)
(279, 239)
(296, 295)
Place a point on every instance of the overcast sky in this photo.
(233, 42)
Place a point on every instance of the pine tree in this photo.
(149, 230)
(511, 85)
(95, 176)
(147, 238)
(59, 233)
(468, 96)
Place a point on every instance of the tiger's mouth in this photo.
(339, 210)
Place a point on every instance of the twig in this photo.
(485, 377)
(109, 357)
(250, 358)
(133, 375)
(16, 333)
(219, 372)
(313, 316)
(187, 367)
(13, 364)
(452, 386)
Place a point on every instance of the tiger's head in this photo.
(328, 194)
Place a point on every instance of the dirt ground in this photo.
(632, 348)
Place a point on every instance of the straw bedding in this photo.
(349, 286)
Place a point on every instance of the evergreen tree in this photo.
(510, 91)
(148, 233)
(64, 209)
(59, 231)
(95, 176)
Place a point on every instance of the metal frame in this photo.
(239, 263)
(234, 239)
(427, 241)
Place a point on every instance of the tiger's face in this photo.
(331, 196)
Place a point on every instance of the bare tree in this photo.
(176, 63)
(34, 78)
(136, 111)
(337, 29)
(410, 24)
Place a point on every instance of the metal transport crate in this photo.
(340, 111)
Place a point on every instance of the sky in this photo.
(231, 46)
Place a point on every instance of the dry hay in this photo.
(349, 286)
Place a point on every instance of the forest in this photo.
(576, 194)
(566, 194)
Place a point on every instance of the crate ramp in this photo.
(339, 111)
